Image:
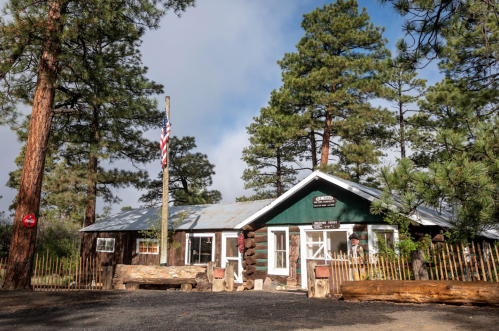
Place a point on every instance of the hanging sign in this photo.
(324, 201)
(29, 221)
(325, 225)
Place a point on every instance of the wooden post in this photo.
(469, 273)
(450, 261)
(482, 264)
(454, 262)
(460, 262)
(488, 263)
(34, 280)
(164, 214)
(493, 262)
(229, 277)
(209, 272)
(475, 260)
(311, 277)
(69, 273)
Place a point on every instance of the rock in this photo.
(240, 288)
(258, 285)
(274, 285)
(266, 284)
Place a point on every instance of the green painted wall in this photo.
(350, 208)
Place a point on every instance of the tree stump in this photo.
(218, 285)
(418, 265)
(202, 282)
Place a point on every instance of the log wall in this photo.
(125, 248)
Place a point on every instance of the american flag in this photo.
(165, 134)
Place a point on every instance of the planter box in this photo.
(322, 271)
(219, 273)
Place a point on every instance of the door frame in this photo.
(308, 228)
(238, 278)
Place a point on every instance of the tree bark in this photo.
(402, 126)
(91, 191)
(278, 173)
(326, 138)
(22, 249)
(313, 150)
(418, 265)
(92, 172)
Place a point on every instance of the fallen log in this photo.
(423, 291)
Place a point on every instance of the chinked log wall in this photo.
(255, 263)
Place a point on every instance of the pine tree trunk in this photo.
(313, 145)
(326, 138)
(92, 171)
(402, 133)
(278, 173)
(91, 190)
(22, 249)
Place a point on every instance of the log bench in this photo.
(134, 283)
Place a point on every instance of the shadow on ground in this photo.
(175, 310)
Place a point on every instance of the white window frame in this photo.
(146, 240)
(271, 251)
(372, 237)
(105, 239)
(188, 235)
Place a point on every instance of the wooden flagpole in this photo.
(164, 215)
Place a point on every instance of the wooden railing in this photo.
(464, 262)
(63, 274)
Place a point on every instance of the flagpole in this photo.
(164, 214)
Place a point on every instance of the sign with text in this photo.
(29, 221)
(326, 225)
(324, 201)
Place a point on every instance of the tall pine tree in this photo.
(403, 91)
(333, 75)
(190, 175)
(276, 149)
(37, 41)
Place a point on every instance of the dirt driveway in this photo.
(175, 310)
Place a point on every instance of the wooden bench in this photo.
(134, 283)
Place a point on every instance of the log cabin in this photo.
(312, 220)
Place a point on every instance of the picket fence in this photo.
(62, 274)
(464, 262)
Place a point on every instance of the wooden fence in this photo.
(464, 262)
(63, 274)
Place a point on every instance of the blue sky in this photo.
(218, 64)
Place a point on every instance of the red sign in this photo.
(29, 221)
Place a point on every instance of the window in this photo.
(278, 244)
(321, 245)
(388, 233)
(147, 246)
(105, 245)
(200, 248)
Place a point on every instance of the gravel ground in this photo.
(175, 310)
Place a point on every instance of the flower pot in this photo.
(219, 273)
(322, 271)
